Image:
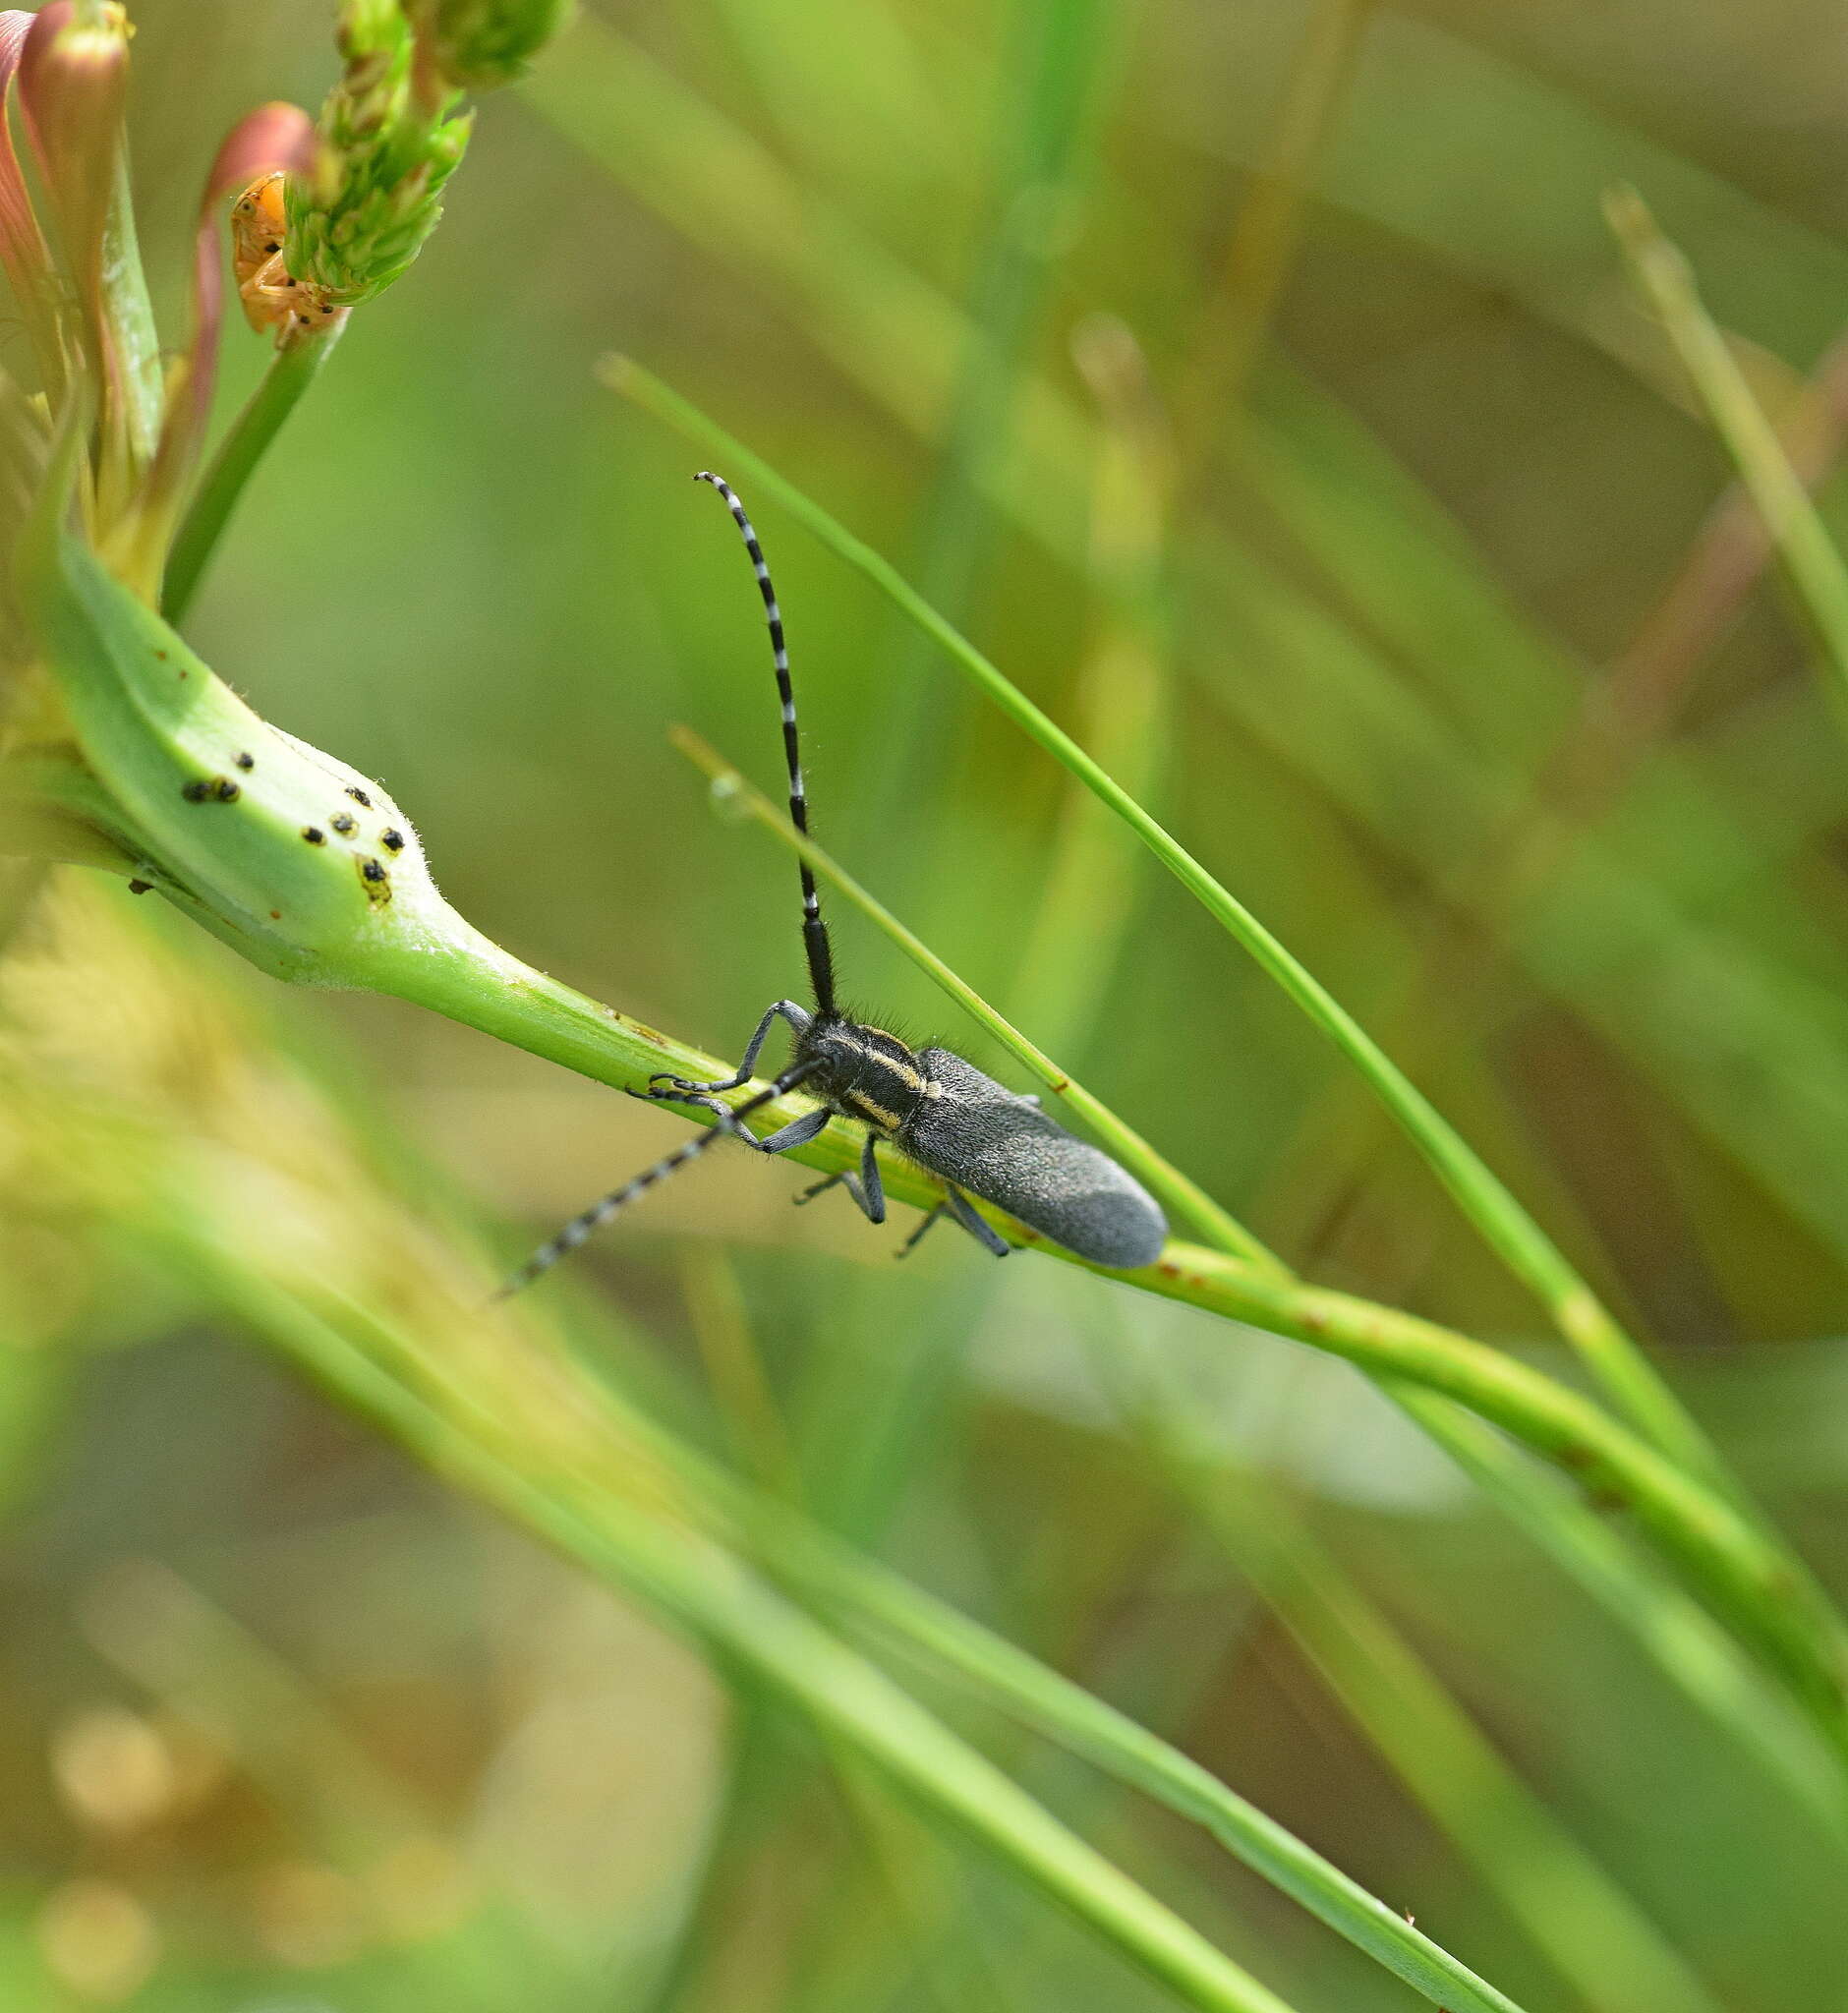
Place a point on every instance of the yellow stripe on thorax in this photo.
(902, 1071)
(875, 1116)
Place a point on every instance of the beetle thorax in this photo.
(864, 1073)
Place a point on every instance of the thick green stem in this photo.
(283, 389)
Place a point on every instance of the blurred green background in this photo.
(1261, 387)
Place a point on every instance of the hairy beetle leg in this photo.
(867, 1189)
(959, 1205)
(798, 1018)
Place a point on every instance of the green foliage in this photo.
(1254, 408)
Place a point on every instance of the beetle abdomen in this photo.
(983, 1137)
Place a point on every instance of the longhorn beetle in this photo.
(980, 1138)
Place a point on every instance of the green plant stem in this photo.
(1162, 1175)
(1620, 1368)
(1699, 1658)
(284, 385)
(1765, 1594)
(1814, 567)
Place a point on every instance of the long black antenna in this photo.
(600, 1212)
(821, 956)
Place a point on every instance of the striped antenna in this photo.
(729, 1121)
(821, 956)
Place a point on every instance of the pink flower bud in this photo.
(73, 79)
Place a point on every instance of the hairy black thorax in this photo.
(863, 1071)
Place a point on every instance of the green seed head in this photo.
(389, 139)
(480, 45)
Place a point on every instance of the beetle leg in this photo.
(929, 1217)
(798, 1018)
(957, 1204)
(722, 1111)
(798, 1132)
(866, 1187)
(978, 1227)
(869, 1192)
